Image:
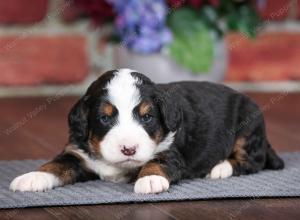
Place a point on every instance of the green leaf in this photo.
(185, 22)
(243, 19)
(233, 21)
(195, 52)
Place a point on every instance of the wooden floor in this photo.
(37, 128)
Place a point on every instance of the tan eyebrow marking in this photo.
(144, 108)
(107, 109)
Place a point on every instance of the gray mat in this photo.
(285, 183)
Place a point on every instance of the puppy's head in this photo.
(124, 119)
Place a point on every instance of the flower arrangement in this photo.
(184, 29)
(141, 24)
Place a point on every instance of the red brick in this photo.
(40, 59)
(22, 11)
(275, 10)
(270, 57)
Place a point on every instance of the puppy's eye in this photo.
(105, 119)
(146, 118)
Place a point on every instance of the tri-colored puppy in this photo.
(127, 128)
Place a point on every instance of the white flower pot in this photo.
(162, 68)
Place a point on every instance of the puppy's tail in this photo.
(273, 162)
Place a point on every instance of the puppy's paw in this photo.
(35, 182)
(221, 170)
(151, 184)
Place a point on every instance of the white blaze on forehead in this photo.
(123, 93)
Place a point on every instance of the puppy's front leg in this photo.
(156, 175)
(152, 179)
(66, 168)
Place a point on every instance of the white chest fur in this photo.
(103, 170)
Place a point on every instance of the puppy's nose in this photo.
(128, 150)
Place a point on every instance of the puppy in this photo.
(127, 128)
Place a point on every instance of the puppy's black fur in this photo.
(209, 119)
(212, 123)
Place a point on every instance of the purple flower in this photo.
(141, 24)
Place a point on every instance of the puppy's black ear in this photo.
(78, 116)
(78, 121)
(169, 109)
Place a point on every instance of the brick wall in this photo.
(39, 45)
(48, 41)
(274, 54)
